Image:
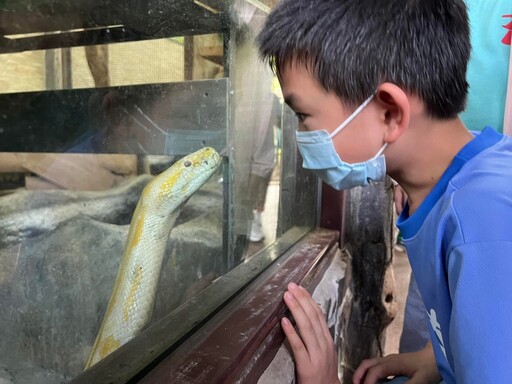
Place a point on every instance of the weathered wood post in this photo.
(368, 229)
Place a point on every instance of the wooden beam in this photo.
(69, 39)
(213, 53)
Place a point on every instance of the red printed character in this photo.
(507, 39)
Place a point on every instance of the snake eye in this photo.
(187, 163)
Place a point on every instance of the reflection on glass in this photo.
(93, 106)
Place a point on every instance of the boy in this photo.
(487, 72)
(377, 86)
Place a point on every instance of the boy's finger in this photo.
(299, 350)
(312, 311)
(386, 366)
(360, 372)
(304, 324)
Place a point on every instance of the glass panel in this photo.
(97, 101)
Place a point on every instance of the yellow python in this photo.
(131, 302)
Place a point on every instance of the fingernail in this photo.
(285, 321)
(292, 286)
(288, 296)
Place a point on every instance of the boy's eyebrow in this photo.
(291, 100)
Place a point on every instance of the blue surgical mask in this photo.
(319, 155)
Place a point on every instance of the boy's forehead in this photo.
(300, 87)
(294, 72)
(293, 65)
(301, 90)
(294, 83)
(298, 79)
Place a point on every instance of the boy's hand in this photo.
(315, 358)
(420, 367)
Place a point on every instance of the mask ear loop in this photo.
(380, 151)
(370, 181)
(352, 116)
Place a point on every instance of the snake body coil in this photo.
(132, 299)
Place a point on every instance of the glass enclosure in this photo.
(97, 100)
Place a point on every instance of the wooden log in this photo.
(10, 163)
(71, 171)
(76, 175)
(368, 237)
(34, 182)
(119, 164)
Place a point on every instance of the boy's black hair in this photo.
(351, 46)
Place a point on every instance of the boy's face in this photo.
(318, 109)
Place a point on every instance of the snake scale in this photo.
(131, 302)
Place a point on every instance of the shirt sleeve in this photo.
(480, 282)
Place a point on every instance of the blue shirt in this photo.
(459, 242)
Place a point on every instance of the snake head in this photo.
(184, 177)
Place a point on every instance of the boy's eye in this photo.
(300, 116)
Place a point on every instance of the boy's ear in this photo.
(395, 110)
